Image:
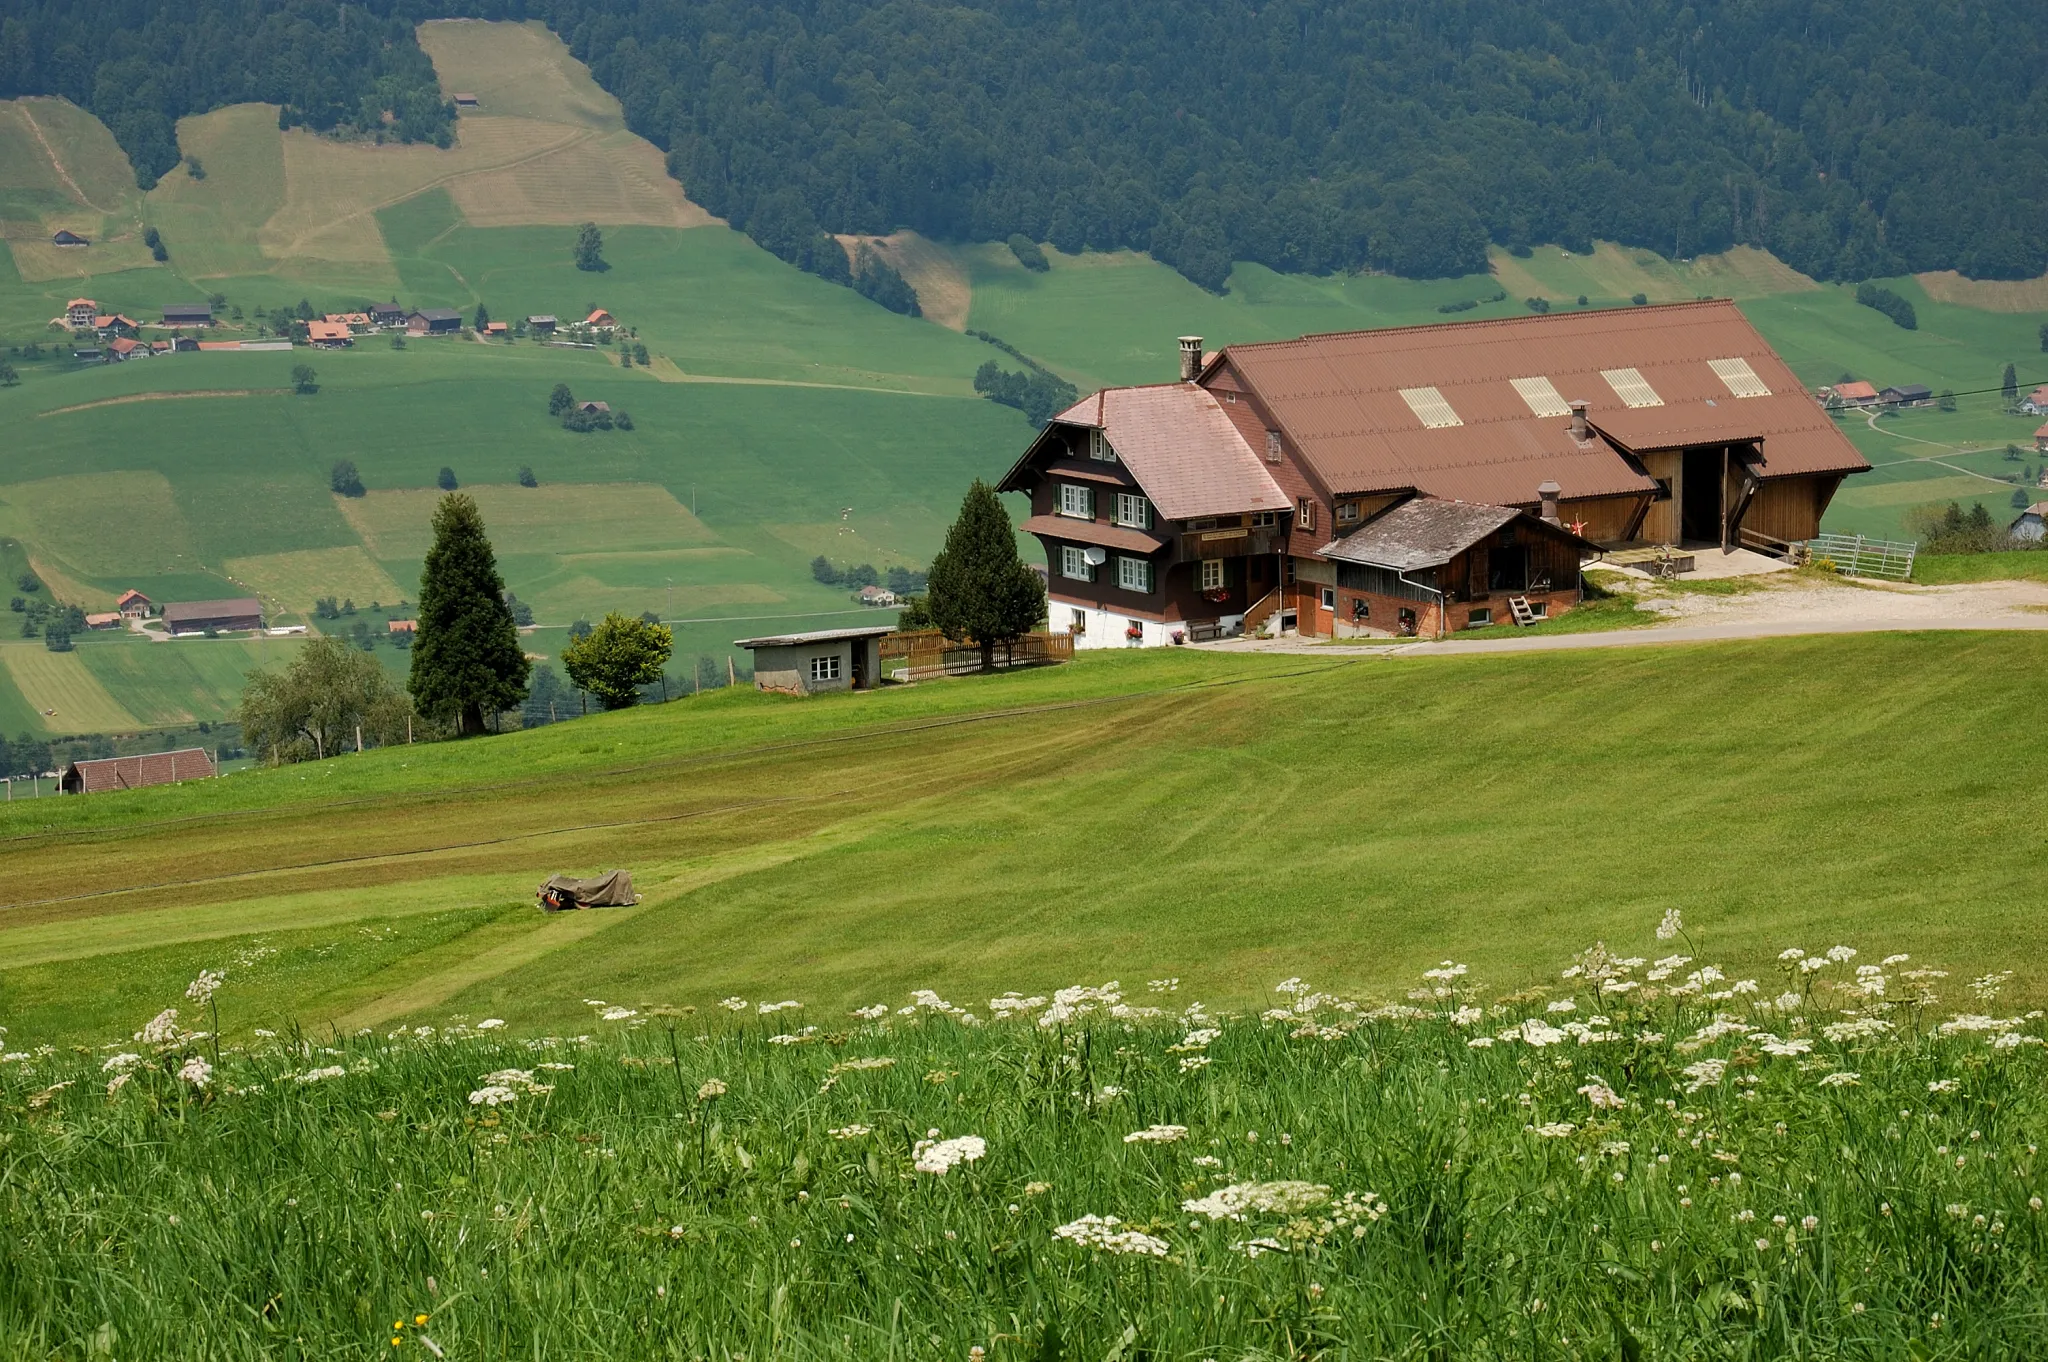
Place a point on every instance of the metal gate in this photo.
(1854, 556)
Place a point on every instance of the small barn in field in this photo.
(109, 774)
(824, 660)
(68, 239)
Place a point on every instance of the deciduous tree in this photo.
(313, 708)
(618, 657)
(466, 659)
(590, 248)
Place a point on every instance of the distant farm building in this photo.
(593, 408)
(330, 335)
(465, 101)
(386, 314)
(196, 617)
(1856, 394)
(79, 312)
(2035, 403)
(600, 317)
(496, 329)
(403, 627)
(1907, 395)
(134, 605)
(877, 596)
(110, 619)
(827, 660)
(188, 314)
(545, 324)
(348, 319)
(434, 321)
(109, 774)
(2031, 525)
(114, 324)
(68, 239)
(1488, 555)
(2041, 440)
(127, 348)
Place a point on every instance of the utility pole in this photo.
(671, 597)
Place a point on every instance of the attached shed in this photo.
(1428, 566)
(825, 660)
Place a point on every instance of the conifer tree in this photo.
(978, 587)
(466, 658)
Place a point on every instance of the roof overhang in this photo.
(1077, 531)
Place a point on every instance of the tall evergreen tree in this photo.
(466, 658)
(979, 588)
(2009, 383)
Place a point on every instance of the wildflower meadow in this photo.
(1644, 1158)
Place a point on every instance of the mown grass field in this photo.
(1233, 820)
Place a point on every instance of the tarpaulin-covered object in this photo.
(613, 889)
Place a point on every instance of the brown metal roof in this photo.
(1339, 397)
(1078, 531)
(1182, 449)
(180, 611)
(132, 773)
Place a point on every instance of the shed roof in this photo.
(1177, 442)
(180, 611)
(1350, 401)
(1856, 389)
(815, 636)
(1426, 532)
(154, 768)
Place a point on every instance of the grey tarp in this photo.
(613, 889)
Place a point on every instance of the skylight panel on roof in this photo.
(1542, 396)
(1430, 408)
(1630, 386)
(1740, 378)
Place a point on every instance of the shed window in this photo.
(1265, 520)
(1074, 563)
(1347, 513)
(1077, 501)
(1098, 447)
(1134, 511)
(1212, 574)
(1305, 513)
(825, 668)
(1478, 618)
(1134, 574)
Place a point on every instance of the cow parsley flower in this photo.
(1671, 926)
(1601, 1096)
(196, 1071)
(1157, 1135)
(203, 988)
(710, 1088)
(1241, 1200)
(733, 1004)
(317, 1075)
(1100, 1232)
(1841, 1079)
(942, 1156)
(490, 1024)
(850, 1132)
(873, 1012)
(120, 1063)
(1554, 1130)
(162, 1028)
(495, 1095)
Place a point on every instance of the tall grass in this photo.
(1647, 1160)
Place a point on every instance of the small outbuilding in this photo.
(188, 314)
(465, 100)
(108, 774)
(68, 239)
(823, 660)
(229, 616)
(106, 619)
(544, 324)
(599, 317)
(1429, 566)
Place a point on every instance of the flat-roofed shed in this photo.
(1661, 424)
(822, 660)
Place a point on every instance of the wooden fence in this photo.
(919, 655)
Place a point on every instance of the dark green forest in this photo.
(1852, 139)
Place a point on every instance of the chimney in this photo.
(1579, 431)
(1190, 358)
(1548, 491)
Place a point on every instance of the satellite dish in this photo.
(1094, 557)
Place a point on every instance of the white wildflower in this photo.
(1945, 1085)
(616, 1014)
(1670, 927)
(316, 1075)
(1791, 953)
(786, 1005)
(873, 1012)
(120, 1063)
(1190, 1063)
(496, 1095)
(490, 1024)
(850, 1132)
(1100, 1232)
(1562, 1005)
(710, 1088)
(1841, 1079)
(1157, 1135)
(1706, 1073)
(196, 1071)
(203, 988)
(1540, 1033)
(162, 1028)
(1841, 955)
(1554, 1130)
(1601, 1096)
(733, 1004)
(1241, 1200)
(941, 1156)
(1859, 1028)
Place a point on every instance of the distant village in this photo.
(113, 337)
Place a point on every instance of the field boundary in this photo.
(165, 397)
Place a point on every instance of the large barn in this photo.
(1201, 507)
(196, 617)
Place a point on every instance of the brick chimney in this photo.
(1579, 430)
(1548, 492)
(1190, 358)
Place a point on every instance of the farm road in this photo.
(1799, 607)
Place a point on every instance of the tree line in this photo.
(1853, 141)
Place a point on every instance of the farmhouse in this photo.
(2031, 525)
(196, 617)
(1856, 393)
(114, 324)
(545, 324)
(188, 314)
(63, 238)
(829, 659)
(127, 348)
(133, 605)
(330, 335)
(386, 314)
(877, 596)
(348, 319)
(79, 313)
(599, 317)
(2041, 440)
(1206, 506)
(496, 329)
(434, 321)
(2035, 403)
(133, 773)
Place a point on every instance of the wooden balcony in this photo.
(1196, 545)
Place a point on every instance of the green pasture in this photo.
(1245, 818)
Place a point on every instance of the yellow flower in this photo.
(420, 1320)
(396, 1325)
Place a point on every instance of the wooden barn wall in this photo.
(1790, 508)
(1660, 526)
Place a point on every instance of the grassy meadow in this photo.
(1230, 819)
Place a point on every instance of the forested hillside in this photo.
(1851, 140)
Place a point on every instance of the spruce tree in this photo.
(2009, 384)
(466, 658)
(979, 588)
